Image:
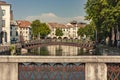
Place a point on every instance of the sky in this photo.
(61, 11)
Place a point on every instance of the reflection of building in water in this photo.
(66, 50)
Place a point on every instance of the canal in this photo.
(58, 50)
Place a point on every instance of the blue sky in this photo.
(61, 11)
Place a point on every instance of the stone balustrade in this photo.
(95, 66)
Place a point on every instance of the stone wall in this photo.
(95, 66)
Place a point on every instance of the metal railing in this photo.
(69, 42)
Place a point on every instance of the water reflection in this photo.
(58, 50)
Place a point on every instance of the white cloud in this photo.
(51, 17)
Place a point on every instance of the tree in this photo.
(89, 30)
(105, 14)
(58, 32)
(39, 28)
(44, 30)
(35, 27)
(81, 32)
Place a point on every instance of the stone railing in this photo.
(95, 66)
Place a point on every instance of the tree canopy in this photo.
(58, 32)
(81, 32)
(39, 28)
(105, 14)
(88, 30)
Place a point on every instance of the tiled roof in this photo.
(56, 25)
(23, 23)
(81, 25)
(3, 3)
(69, 25)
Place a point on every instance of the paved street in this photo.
(106, 50)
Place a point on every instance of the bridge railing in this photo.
(69, 41)
(59, 40)
(4, 50)
(95, 68)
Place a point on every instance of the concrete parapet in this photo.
(95, 66)
(96, 71)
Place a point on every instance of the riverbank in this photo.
(107, 50)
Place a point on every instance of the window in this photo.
(16, 33)
(10, 33)
(3, 11)
(3, 23)
(11, 27)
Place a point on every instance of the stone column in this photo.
(95, 71)
(8, 71)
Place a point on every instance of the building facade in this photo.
(69, 30)
(24, 30)
(14, 36)
(5, 10)
(1, 14)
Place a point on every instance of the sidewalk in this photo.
(106, 50)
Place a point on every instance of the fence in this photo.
(92, 67)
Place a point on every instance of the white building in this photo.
(5, 10)
(14, 36)
(24, 30)
(1, 14)
(69, 30)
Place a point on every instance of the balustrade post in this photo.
(8, 71)
(95, 71)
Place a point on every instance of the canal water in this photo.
(58, 50)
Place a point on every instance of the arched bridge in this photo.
(48, 42)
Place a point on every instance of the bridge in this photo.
(5, 50)
(47, 42)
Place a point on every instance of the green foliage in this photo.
(81, 31)
(35, 27)
(40, 28)
(88, 30)
(12, 48)
(105, 14)
(44, 30)
(58, 32)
